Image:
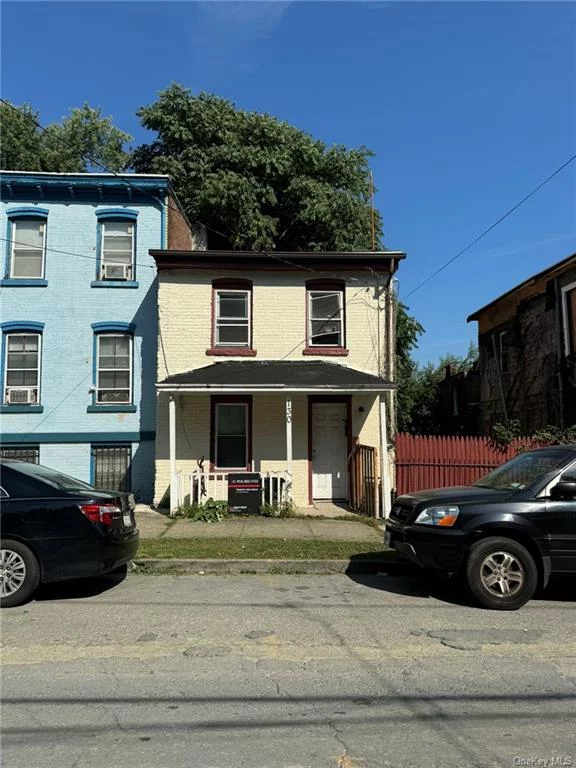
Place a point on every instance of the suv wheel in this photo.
(501, 573)
(19, 573)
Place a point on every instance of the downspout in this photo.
(499, 377)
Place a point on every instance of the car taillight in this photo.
(101, 513)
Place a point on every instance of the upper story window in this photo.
(27, 244)
(22, 363)
(117, 244)
(232, 317)
(325, 310)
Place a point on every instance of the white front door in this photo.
(329, 451)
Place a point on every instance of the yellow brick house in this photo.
(274, 363)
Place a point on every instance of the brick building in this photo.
(79, 323)
(271, 363)
(527, 343)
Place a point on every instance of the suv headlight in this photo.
(444, 516)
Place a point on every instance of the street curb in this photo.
(200, 566)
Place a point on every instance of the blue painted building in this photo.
(79, 323)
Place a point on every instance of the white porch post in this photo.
(384, 459)
(172, 433)
(289, 437)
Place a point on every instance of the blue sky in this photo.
(467, 105)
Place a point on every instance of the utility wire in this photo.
(123, 177)
(128, 182)
(70, 253)
(490, 228)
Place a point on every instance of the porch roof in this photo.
(309, 377)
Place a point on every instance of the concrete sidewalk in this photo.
(154, 525)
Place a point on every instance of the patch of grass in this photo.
(256, 549)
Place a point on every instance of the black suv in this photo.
(506, 534)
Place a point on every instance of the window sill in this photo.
(114, 284)
(21, 408)
(21, 282)
(115, 408)
(326, 351)
(232, 352)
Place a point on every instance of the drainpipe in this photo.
(499, 376)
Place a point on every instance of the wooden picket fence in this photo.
(365, 480)
(437, 461)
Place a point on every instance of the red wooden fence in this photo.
(436, 461)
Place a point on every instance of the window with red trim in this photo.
(325, 315)
(231, 425)
(231, 317)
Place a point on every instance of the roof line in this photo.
(88, 174)
(272, 253)
(532, 279)
(269, 389)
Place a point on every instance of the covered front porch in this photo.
(297, 424)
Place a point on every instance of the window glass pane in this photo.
(326, 333)
(324, 305)
(118, 228)
(231, 419)
(107, 362)
(23, 343)
(233, 305)
(22, 360)
(233, 334)
(22, 378)
(27, 263)
(114, 380)
(231, 452)
(28, 233)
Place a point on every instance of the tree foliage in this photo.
(64, 147)
(260, 182)
(418, 385)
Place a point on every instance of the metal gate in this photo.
(29, 453)
(112, 467)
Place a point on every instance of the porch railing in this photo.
(198, 487)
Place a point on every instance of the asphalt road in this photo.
(286, 672)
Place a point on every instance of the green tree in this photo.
(66, 146)
(260, 182)
(20, 144)
(408, 330)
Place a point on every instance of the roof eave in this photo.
(548, 271)
(218, 389)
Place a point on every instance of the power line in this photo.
(123, 177)
(70, 253)
(490, 228)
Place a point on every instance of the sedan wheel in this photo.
(501, 573)
(19, 573)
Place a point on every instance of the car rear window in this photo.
(56, 480)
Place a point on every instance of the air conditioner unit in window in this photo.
(116, 271)
(21, 395)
